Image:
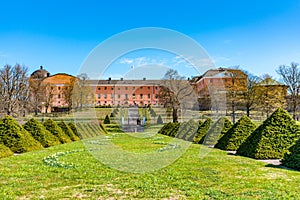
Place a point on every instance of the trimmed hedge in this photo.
(187, 130)
(68, 131)
(202, 130)
(292, 158)
(40, 133)
(236, 135)
(217, 131)
(5, 151)
(14, 136)
(52, 126)
(74, 128)
(273, 138)
(159, 120)
(106, 120)
(169, 129)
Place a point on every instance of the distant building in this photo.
(134, 92)
(221, 80)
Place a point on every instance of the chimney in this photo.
(48, 74)
(41, 67)
(122, 79)
(144, 79)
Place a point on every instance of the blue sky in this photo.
(256, 35)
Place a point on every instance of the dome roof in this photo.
(40, 73)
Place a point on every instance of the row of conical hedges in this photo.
(34, 135)
(278, 137)
(191, 130)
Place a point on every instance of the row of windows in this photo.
(126, 88)
(126, 96)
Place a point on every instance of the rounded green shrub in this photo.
(217, 131)
(68, 131)
(106, 120)
(202, 130)
(14, 136)
(292, 158)
(273, 138)
(5, 151)
(236, 135)
(40, 133)
(52, 126)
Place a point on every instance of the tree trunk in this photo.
(175, 116)
(233, 112)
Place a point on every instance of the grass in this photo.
(76, 174)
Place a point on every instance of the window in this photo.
(133, 87)
(59, 96)
(99, 88)
(99, 96)
(119, 96)
(58, 88)
(148, 87)
(210, 80)
(112, 88)
(149, 96)
(105, 96)
(118, 88)
(133, 96)
(105, 88)
(156, 88)
(141, 96)
(112, 96)
(99, 102)
(126, 96)
(126, 88)
(141, 87)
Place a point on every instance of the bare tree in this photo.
(236, 86)
(48, 96)
(14, 89)
(250, 95)
(291, 77)
(68, 93)
(175, 93)
(37, 93)
(82, 94)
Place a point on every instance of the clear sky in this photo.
(257, 35)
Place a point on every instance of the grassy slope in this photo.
(216, 176)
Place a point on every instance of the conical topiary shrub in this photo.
(202, 130)
(273, 138)
(5, 151)
(52, 126)
(106, 120)
(74, 128)
(236, 135)
(217, 131)
(187, 130)
(14, 136)
(159, 120)
(40, 133)
(68, 131)
(292, 158)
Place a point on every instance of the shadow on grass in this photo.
(280, 167)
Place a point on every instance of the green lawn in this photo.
(76, 174)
